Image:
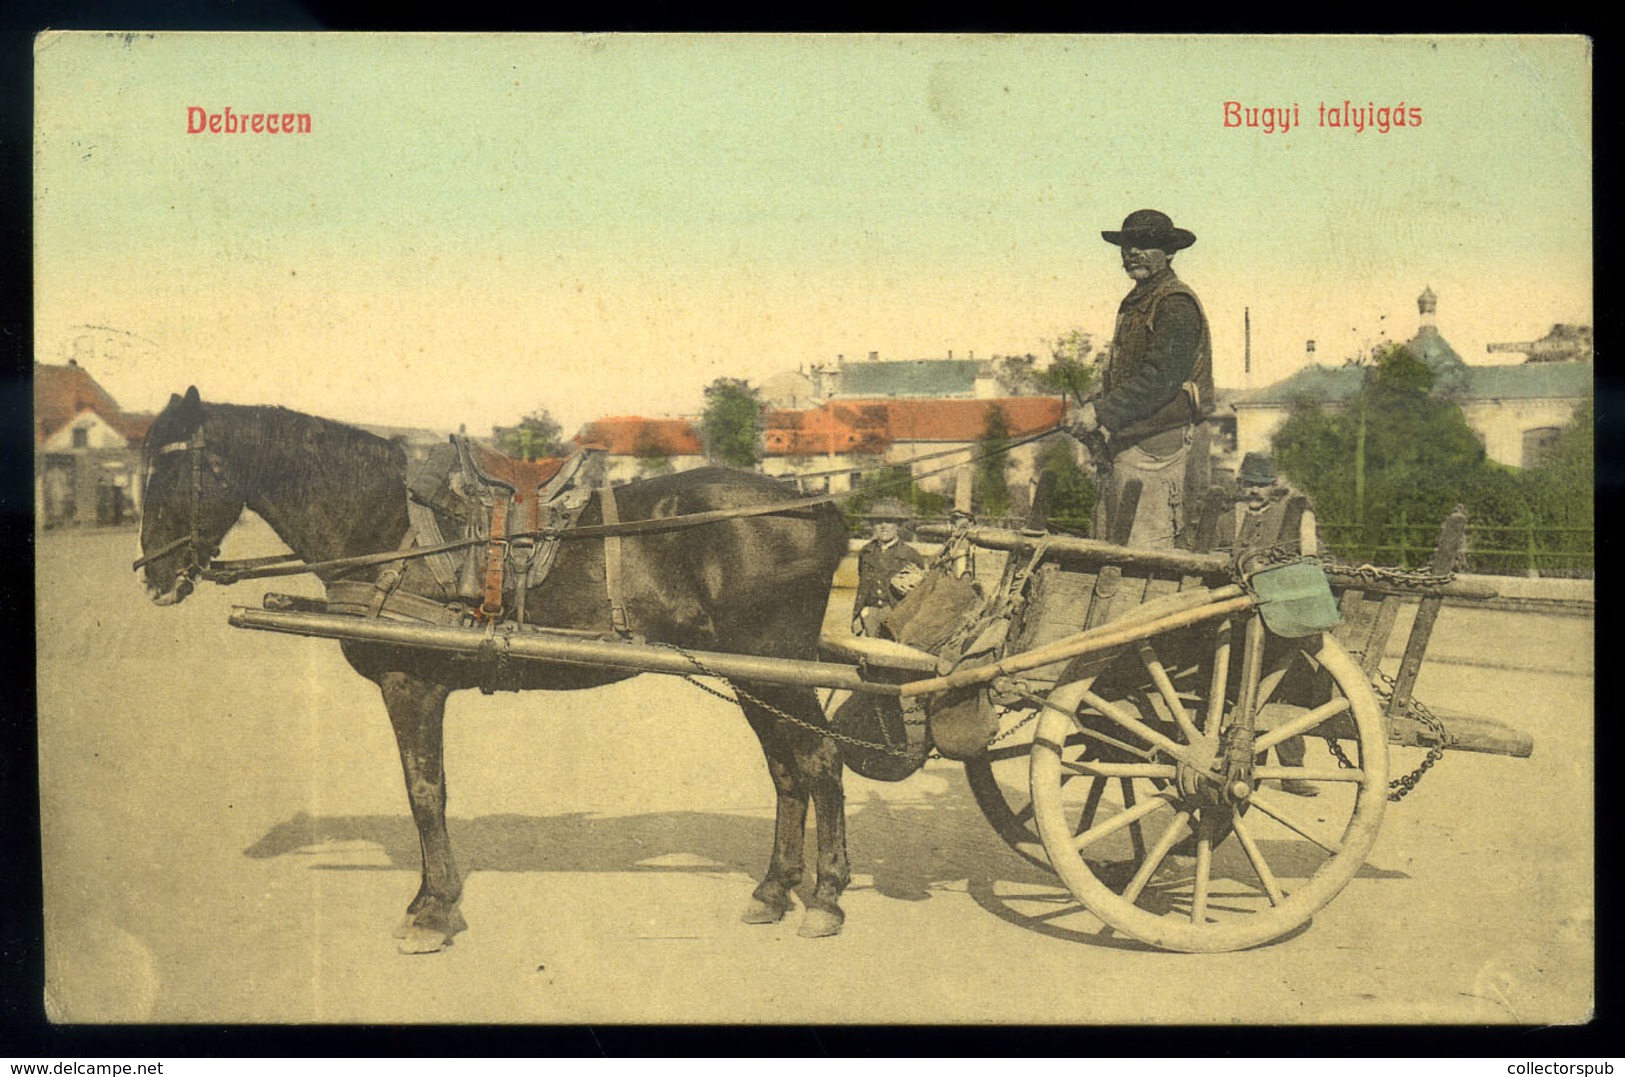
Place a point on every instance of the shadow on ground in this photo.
(909, 850)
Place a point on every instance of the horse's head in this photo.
(188, 503)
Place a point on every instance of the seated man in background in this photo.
(888, 567)
(1270, 520)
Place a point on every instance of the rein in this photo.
(290, 564)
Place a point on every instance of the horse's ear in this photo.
(174, 398)
(191, 395)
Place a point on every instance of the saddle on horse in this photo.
(509, 511)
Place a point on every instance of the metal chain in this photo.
(1401, 787)
(778, 713)
(1409, 577)
(1000, 738)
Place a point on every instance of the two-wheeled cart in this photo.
(1131, 719)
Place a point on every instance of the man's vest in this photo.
(1136, 322)
(1275, 525)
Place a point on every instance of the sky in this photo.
(480, 226)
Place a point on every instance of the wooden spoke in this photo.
(1129, 817)
(1177, 831)
(1128, 721)
(1135, 834)
(1300, 725)
(1091, 805)
(1007, 752)
(1255, 856)
(1221, 677)
(1311, 774)
(1208, 911)
(1159, 677)
(1264, 802)
(1204, 868)
(1121, 770)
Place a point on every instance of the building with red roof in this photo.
(636, 447)
(87, 450)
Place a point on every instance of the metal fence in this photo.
(1524, 549)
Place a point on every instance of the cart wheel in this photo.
(1115, 832)
(1001, 779)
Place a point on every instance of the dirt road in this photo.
(227, 840)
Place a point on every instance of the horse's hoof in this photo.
(820, 924)
(404, 926)
(760, 912)
(422, 940)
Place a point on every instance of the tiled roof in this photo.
(1529, 381)
(62, 392)
(1512, 381)
(1329, 384)
(631, 435)
(965, 420)
(908, 378)
(837, 427)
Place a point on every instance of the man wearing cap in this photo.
(888, 567)
(1156, 387)
(1269, 517)
(1270, 520)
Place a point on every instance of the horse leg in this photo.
(820, 765)
(417, 710)
(812, 770)
(771, 899)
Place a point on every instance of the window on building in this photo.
(1538, 445)
(81, 437)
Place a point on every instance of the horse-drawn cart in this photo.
(1137, 694)
(1115, 710)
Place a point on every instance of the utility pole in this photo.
(1247, 347)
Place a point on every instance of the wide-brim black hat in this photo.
(1150, 229)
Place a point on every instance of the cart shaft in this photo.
(542, 647)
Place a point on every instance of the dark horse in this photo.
(756, 585)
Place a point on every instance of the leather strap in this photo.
(612, 562)
(390, 578)
(496, 553)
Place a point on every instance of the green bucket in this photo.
(1295, 599)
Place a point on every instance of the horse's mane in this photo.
(282, 448)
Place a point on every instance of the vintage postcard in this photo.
(799, 529)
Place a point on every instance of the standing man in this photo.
(1156, 388)
(888, 567)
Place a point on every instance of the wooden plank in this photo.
(1158, 586)
(1452, 539)
(1359, 616)
(1381, 628)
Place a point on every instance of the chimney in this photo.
(1309, 350)
(874, 356)
(1247, 345)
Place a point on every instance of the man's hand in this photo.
(1082, 421)
(907, 579)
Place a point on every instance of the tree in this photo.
(537, 435)
(1069, 488)
(990, 494)
(896, 481)
(1070, 372)
(651, 455)
(731, 426)
(1399, 452)
(1017, 375)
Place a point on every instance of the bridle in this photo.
(197, 566)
